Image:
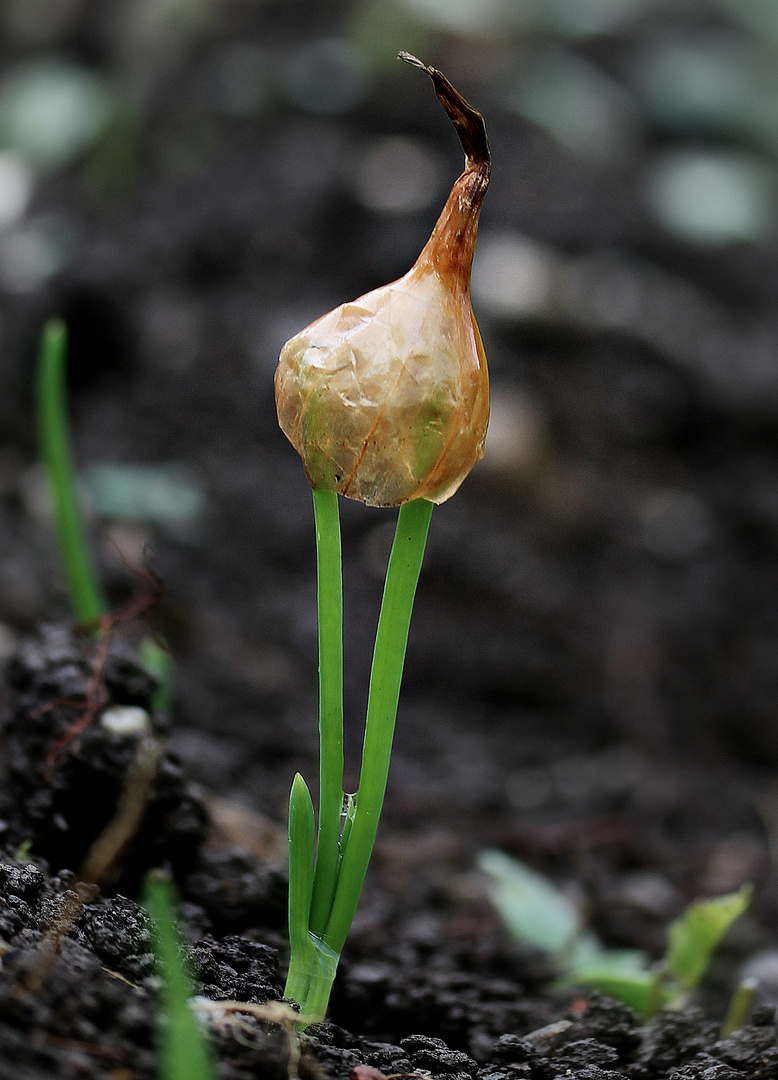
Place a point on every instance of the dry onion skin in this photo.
(386, 398)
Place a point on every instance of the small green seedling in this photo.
(57, 456)
(183, 1051)
(739, 1007)
(536, 913)
(86, 596)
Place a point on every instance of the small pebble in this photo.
(549, 1037)
(126, 720)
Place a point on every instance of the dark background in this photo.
(592, 679)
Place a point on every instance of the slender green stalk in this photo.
(57, 455)
(320, 915)
(56, 452)
(739, 1007)
(183, 1051)
(330, 603)
(385, 678)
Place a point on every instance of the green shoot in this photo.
(386, 675)
(330, 605)
(739, 1007)
(386, 400)
(694, 936)
(86, 596)
(301, 868)
(535, 912)
(325, 886)
(183, 1051)
(57, 455)
(531, 908)
(24, 851)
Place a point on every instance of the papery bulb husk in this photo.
(386, 398)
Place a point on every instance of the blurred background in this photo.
(593, 665)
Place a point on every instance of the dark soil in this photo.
(438, 995)
(591, 681)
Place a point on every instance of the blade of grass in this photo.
(57, 455)
(739, 1007)
(183, 1051)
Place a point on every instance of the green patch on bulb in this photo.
(324, 469)
(431, 431)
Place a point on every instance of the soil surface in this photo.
(591, 679)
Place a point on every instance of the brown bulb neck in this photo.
(451, 246)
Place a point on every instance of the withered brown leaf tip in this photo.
(386, 398)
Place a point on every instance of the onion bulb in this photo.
(386, 398)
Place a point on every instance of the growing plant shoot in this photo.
(386, 399)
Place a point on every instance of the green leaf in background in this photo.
(640, 990)
(694, 936)
(183, 1051)
(52, 110)
(533, 910)
(621, 973)
(588, 952)
(57, 457)
(168, 494)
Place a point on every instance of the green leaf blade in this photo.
(533, 910)
(694, 936)
(329, 578)
(56, 453)
(183, 1051)
(640, 990)
(391, 641)
(301, 863)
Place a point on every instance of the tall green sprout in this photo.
(57, 457)
(387, 401)
(86, 596)
(325, 880)
(183, 1051)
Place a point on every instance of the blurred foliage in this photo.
(536, 913)
(52, 110)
